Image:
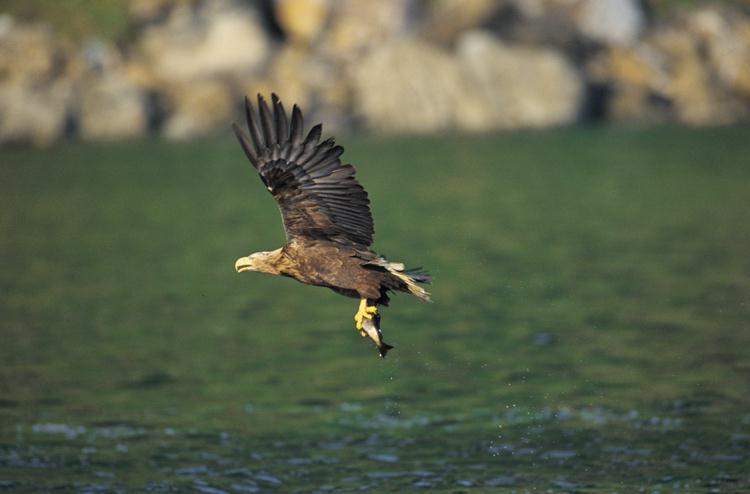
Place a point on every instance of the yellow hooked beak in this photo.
(243, 264)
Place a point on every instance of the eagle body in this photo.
(326, 216)
(345, 269)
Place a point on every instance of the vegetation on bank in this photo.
(76, 19)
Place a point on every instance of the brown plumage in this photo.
(326, 216)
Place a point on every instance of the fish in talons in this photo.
(371, 329)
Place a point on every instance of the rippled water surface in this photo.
(589, 331)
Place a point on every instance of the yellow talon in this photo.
(364, 312)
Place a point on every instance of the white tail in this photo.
(398, 270)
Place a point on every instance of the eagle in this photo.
(326, 216)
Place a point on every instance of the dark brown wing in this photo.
(317, 195)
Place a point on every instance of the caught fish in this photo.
(371, 329)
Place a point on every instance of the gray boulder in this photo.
(34, 115)
(199, 107)
(30, 53)
(513, 86)
(216, 38)
(407, 86)
(357, 26)
(617, 22)
(111, 107)
(692, 70)
(302, 21)
(445, 20)
(410, 86)
(571, 24)
(36, 96)
(302, 76)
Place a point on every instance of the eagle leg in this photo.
(364, 312)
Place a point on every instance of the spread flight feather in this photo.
(325, 212)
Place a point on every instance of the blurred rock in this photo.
(30, 53)
(407, 86)
(539, 23)
(411, 86)
(725, 35)
(302, 20)
(445, 20)
(318, 85)
(572, 25)
(111, 107)
(359, 25)
(36, 115)
(692, 70)
(36, 96)
(145, 11)
(99, 56)
(200, 107)
(695, 98)
(388, 65)
(294, 73)
(142, 74)
(617, 22)
(627, 74)
(515, 86)
(209, 39)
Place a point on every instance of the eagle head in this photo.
(264, 262)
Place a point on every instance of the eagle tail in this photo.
(407, 278)
(419, 276)
(410, 277)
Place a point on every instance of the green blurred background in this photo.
(591, 308)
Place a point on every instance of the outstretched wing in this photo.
(317, 195)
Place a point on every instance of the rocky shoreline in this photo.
(388, 66)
